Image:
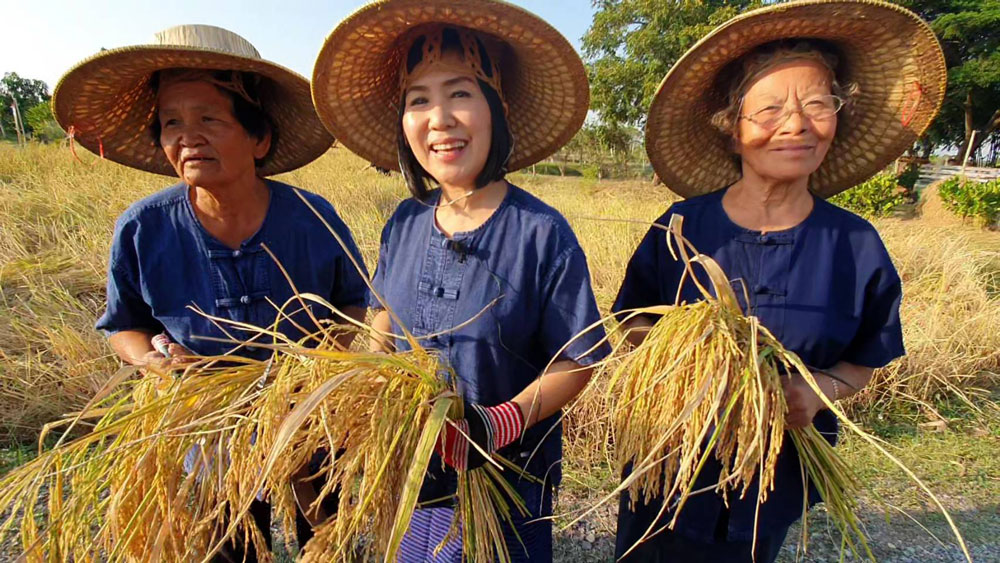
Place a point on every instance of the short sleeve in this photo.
(644, 276)
(349, 287)
(126, 308)
(378, 280)
(569, 312)
(879, 338)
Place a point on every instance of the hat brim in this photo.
(356, 76)
(889, 52)
(107, 101)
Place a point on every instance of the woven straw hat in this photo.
(108, 102)
(356, 77)
(890, 53)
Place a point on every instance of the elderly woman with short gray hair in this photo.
(224, 246)
(760, 121)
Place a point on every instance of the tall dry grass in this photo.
(57, 217)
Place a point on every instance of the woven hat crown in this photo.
(206, 37)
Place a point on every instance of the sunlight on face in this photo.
(795, 147)
(201, 137)
(446, 121)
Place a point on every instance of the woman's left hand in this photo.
(802, 401)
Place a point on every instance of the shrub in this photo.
(875, 198)
(908, 178)
(972, 200)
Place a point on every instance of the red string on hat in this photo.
(71, 135)
(911, 104)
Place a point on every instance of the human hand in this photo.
(490, 428)
(803, 403)
(167, 355)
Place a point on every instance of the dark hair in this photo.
(501, 140)
(241, 88)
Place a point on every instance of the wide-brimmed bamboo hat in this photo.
(356, 85)
(109, 104)
(889, 52)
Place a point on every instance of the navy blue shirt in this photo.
(497, 303)
(827, 290)
(164, 263)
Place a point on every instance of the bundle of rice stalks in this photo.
(120, 491)
(377, 430)
(706, 382)
(171, 466)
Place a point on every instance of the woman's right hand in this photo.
(157, 361)
(137, 348)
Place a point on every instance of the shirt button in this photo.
(237, 253)
(245, 300)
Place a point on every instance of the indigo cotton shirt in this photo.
(163, 262)
(827, 290)
(497, 303)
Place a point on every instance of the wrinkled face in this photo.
(201, 137)
(794, 148)
(446, 121)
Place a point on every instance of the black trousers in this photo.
(669, 546)
(236, 550)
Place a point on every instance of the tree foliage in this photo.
(27, 92)
(42, 123)
(969, 31)
(631, 45)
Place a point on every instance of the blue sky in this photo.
(43, 38)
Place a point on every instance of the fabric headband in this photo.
(431, 54)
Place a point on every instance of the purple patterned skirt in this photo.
(430, 526)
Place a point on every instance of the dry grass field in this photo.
(936, 406)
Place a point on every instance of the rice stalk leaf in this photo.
(417, 471)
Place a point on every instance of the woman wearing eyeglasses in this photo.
(771, 113)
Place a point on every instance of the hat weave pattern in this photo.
(356, 77)
(107, 99)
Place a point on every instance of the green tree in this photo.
(631, 45)
(28, 93)
(969, 31)
(43, 124)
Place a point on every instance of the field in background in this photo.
(57, 216)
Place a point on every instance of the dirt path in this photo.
(899, 540)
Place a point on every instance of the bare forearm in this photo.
(347, 337)
(382, 325)
(132, 345)
(845, 379)
(636, 329)
(552, 391)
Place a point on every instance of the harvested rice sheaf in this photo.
(706, 382)
(245, 431)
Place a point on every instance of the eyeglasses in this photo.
(774, 116)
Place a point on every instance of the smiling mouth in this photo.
(449, 147)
